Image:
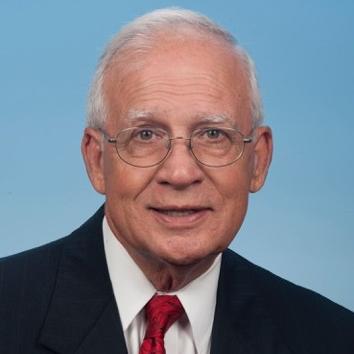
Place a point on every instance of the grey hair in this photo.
(138, 37)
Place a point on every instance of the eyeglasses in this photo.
(149, 146)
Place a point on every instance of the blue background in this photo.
(299, 226)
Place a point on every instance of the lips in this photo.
(180, 216)
(177, 212)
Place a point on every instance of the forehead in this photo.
(180, 80)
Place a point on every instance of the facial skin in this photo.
(174, 218)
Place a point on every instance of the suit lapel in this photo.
(83, 316)
(242, 323)
(107, 334)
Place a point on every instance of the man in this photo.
(175, 142)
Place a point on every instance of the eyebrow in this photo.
(135, 115)
(203, 118)
(215, 118)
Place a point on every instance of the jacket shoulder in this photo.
(28, 281)
(37, 265)
(298, 312)
(30, 266)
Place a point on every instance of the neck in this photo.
(167, 277)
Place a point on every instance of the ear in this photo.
(263, 150)
(92, 152)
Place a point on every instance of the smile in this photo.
(177, 213)
(180, 217)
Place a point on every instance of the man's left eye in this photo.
(214, 133)
(145, 134)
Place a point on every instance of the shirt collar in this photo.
(132, 290)
(199, 300)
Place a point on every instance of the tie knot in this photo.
(161, 312)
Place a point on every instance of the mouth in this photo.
(177, 212)
(180, 216)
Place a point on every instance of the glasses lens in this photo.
(142, 147)
(217, 146)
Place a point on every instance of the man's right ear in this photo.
(92, 152)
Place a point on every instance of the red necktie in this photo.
(161, 311)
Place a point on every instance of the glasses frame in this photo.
(246, 139)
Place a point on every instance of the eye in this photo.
(145, 134)
(214, 133)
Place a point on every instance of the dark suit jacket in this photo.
(58, 299)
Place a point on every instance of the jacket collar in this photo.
(83, 316)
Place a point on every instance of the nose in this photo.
(180, 170)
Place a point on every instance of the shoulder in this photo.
(29, 279)
(39, 264)
(27, 282)
(32, 266)
(294, 309)
(32, 273)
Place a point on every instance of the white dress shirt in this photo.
(191, 334)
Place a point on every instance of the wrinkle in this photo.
(195, 85)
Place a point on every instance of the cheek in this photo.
(124, 182)
(233, 182)
(125, 205)
(234, 189)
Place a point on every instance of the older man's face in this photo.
(180, 211)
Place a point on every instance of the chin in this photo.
(188, 258)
